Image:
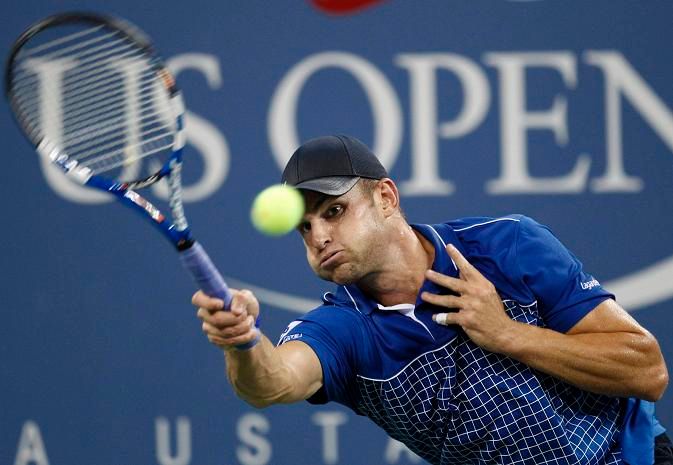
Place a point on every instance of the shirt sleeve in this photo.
(564, 291)
(332, 333)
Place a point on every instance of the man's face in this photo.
(341, 234)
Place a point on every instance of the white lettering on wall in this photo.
(622, 80)
(516, 121)
(256, 448)
(394, 451)
(183, 448)
(282, 128)
(425, 129)
(31, 448)
(50, 76)
(330, 422)
(201, 134)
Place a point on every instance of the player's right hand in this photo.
(228, 328)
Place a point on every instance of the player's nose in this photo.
(320, 235)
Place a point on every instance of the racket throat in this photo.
(185, 244)
(175, 199)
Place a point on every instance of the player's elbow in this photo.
(658, 381)
(260, 399)
(264, 402)
(254, 399)
(654, 380)
(257, 402)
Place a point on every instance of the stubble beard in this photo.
(357, 269)
(344, 274)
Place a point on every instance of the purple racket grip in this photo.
(209, 280)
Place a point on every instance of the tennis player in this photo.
(475, 341)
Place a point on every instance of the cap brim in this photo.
(330, 185)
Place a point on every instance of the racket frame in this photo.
(178, 232)
(192, 255)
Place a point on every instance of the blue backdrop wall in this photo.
(559, 110)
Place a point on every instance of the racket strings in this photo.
(124, 158)
(93, 80)
(84, 65)
(89, 111)
(97, 95)
(87, 97)
(94, 71)
(92, 130)
(28, 51)
(113, 148)
(89, 125)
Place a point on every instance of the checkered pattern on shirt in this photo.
(459, 404)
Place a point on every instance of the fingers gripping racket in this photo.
(94, 98)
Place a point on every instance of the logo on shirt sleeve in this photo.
(587, 285)
(284, 335)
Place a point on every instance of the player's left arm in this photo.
(606, 351)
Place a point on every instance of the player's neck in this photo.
(408, 256)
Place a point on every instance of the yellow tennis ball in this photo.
(277, 210)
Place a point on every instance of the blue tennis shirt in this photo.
(451, 402)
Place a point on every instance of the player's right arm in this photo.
(265, 374)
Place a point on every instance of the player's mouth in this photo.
(331, 259)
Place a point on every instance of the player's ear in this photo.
(389, 195)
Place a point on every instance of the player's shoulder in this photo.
(493, 246)
(336, 320)
(483, 235)
(336, 308)
(475, 227)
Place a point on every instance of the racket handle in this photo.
(209, 280)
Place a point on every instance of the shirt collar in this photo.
(439, 236)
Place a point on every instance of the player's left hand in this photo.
(480, 311)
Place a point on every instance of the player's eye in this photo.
(304, 227)
(334, 210)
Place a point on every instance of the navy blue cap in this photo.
(332, 165)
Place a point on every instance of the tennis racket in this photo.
(94, 98)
